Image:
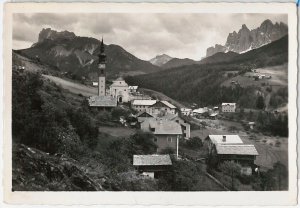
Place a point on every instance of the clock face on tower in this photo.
(101, 66)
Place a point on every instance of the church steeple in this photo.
(102, 68)
(102, 55)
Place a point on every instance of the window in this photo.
(155, 139)
(169, 139)
(125, 90)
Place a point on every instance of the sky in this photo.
(144, 35)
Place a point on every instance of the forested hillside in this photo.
(201, 84)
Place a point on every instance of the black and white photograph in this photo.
(151, 102)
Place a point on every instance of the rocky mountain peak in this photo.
(160, 60)
(50, 34)
(246, 39)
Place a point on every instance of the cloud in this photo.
(144, 35)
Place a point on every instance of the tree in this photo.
(231, 169)
(260, 103)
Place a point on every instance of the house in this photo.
(119, 90)
(102, 102)
(200, 112)
(132, 89)
(185, 125)
(185, 111)
(163, 106)
(230, 147)
(143, 115)
(228, 107)
(213, 116)
(152, 165)
(167, 133)
(143, 105)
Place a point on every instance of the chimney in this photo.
(224, 138)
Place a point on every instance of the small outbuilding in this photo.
(152, 165)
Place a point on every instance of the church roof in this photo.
(102, 101)
(119, 79)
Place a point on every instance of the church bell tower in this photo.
(102, 73)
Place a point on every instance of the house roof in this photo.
(165, 127)
(145, 160)
(230, 139)
(102, 101)
(236, 149)
(144, 112)
(168, 104)
(144, 102)
(228, 104)
(200, 110)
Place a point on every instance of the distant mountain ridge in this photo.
(160, 60)
(79, 55)
(245, 39)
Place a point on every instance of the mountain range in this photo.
(245, 39)
(79, 55)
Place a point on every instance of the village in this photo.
(171, 125)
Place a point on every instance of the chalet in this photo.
(185, 111)
(167, 133)
(152, 165)
(102, 102)
(231, 147)
(228, 107)
(185, 125)
(143, 105)
(142, 116)
(163, 106)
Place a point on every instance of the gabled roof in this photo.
(147, 160)
(168, 104)
(141, 114)
(165, 103)
(144, 102)
(236, 149)
(102, 101)
(230, 139)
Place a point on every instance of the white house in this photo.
(186, 111)
(228, 107)
(133, 89)
(119, 90)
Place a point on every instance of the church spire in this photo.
(102, 56)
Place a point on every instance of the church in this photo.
(120, 90)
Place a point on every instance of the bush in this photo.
(194, 143)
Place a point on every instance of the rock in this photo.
(245, 39)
